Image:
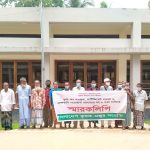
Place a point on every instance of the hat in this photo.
(107, 80)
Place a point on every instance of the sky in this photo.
(124, 3)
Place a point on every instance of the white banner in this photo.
(90, 105)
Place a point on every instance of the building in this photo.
(80, 43)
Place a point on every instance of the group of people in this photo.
(36, 105)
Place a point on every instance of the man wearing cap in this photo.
(140, 97)
(77, 88)
(106, 87)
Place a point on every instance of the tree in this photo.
(149, 4)
(103, 4)
(32, 3)
(78, 3)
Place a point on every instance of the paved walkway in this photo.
(75, 139)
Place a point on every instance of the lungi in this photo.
(138, 118)
(6, 119)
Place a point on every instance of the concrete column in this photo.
(46, 34)
(135, 70)
(136, 34)
(47, 66)
(121, 69)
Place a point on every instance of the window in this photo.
(92, 72)
(11, 72)
(36, 71)
(128, 71)
(85, 71)
(108, 71)
(146, 72)
(78, 71)
(22, 71)
(8, 73)
(62, 72)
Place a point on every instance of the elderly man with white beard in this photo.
(23, 94)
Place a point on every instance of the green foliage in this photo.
(103, 4)
(78, 3)
(32, 3)
(47, 3)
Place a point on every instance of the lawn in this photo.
(147, 122)
(15, 126)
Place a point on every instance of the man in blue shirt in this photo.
(55, 88)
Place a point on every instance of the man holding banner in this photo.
(90, 105)
(106, 87)
(93, 88)
(77, 88)
(55, 88)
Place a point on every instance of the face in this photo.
(67, 85)
(48, 83)
(55, 84)
(6, 86)
(127, 86)
(93, 84)
(107, 83)
(23, 82)
(37, 83)
(119, 86)
(139, 88)
(78, 83)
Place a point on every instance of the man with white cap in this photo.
(106, 87)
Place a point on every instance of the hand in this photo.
(17, 106)
(51, 107)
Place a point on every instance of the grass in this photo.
(15, 125)
(147, 122)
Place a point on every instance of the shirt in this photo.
(38, 99)
(140, 98)
(7, 100)
(92, 89)
(103, 88)
(47, 102)
(23, 93)
(78, 89)
(51, 95)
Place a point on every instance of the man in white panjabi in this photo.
(7, 103)
(78, 87)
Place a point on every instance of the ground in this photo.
(75, 139)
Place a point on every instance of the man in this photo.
(37, 104)
(23, 95)
(106, 87)
(93, 88)
(130, 98)
(47, 114)
(67, 88)
(139, 106)
(77, 88)
(55, 88)
(119, 88)
(7, 102)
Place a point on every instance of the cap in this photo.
(107, 80)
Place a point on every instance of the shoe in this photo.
(109, 127)
(102, 127)
(22, 127)
(133, 128)
(142, 128)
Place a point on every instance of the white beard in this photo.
(38, 88)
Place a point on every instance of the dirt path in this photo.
(89, 139)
